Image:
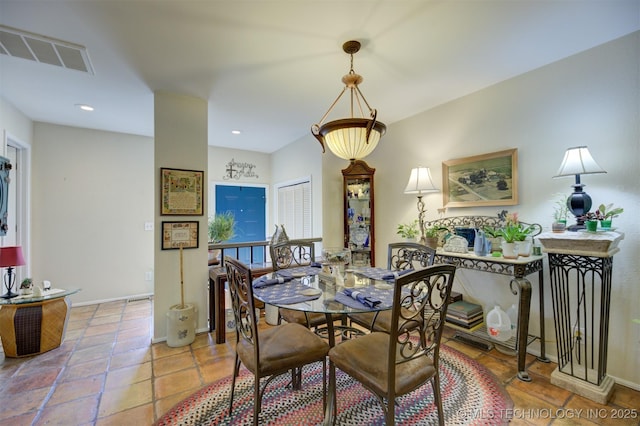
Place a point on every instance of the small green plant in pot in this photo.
(408, 231)
(221, 228)
(607, 213)
(560, 213)
(432, 235)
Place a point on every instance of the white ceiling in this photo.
(272, 68)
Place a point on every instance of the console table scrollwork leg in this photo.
(524, 305)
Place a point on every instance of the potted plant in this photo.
(408, 231)
(560, 213)
(432, 236)
(607, 213)
(221, 228)
(513, 233)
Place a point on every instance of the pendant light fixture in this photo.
(350, 138)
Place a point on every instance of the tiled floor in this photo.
(107, 373)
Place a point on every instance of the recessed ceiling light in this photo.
(85, 107)
(236, 132)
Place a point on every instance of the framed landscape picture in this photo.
(181, 192)
(176, 234)
(481, 180)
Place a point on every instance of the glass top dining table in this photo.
(309, 289)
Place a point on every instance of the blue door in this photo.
(248, 205)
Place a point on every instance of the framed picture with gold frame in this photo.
(176, 234)
(481, 180)
(181, 192)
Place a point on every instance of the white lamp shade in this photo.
(578, 161)
(420, 181)
(347, 138)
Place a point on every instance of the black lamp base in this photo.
(576, 227)
(578, 203)
(9, 295)
(9, 279)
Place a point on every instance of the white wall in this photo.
(15, 123)
(297, 160)
(180, 143)
(588, 99)
(91, 195)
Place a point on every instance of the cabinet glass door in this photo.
(358, 226)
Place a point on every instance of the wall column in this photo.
(181, 142)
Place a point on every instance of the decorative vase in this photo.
(605, 224)
(509, 250)
(591, 225)
(559, 227)
(524, 247)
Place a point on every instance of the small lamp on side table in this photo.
(10, 257)
(578, 161)
(420, 182)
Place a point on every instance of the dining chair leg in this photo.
(390, 413)
(437, 396)
(257, 400)
(236, 369)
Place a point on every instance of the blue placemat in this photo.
(380, 273)
(385, 297)
(286, 293)
(307, 270)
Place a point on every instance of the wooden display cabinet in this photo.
(359, 233)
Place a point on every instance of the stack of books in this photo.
(465, 316)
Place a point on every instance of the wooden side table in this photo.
(33, 325)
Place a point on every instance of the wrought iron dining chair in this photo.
(291, 254)
(401, 256)
(396, 363)
(269, 352)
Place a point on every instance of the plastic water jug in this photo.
(498, 324)
(512, 313)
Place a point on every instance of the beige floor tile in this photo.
(77, 389)
(101, 329)
(91, 353)
(180, 381)
(171, 364)
(131, 357)
(128, 375)
(134, 416)
(543, 389)
(126, 397)
(83, 370)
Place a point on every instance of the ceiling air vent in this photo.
(25, 45)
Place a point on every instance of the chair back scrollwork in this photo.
(292, 253)
(405, 255)
(420, 294)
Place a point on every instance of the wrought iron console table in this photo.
(519, 285)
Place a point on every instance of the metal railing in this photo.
(253, 251)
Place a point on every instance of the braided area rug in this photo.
(471, 395)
